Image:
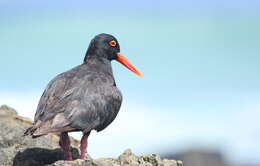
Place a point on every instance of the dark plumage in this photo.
(84, 98)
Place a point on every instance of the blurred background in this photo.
(199, 100)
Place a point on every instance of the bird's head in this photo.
(106, 46)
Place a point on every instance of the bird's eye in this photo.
(112, 43)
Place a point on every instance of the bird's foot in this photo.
(65, 145)
(82, 156)
(68, 156)
(83, 145)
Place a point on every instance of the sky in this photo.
(200, 60)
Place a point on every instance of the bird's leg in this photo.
(65, 145)
(83, 145)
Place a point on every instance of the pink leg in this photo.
(65, 145)
(83, 145)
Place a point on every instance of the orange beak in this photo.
(122, 59)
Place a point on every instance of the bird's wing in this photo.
(49, 116)
(51, 101)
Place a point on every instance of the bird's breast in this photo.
(110, 102)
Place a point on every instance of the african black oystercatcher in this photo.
(84, 98)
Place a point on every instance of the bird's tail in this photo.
(30, 131)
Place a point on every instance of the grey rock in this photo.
(200, 157)
(205, 157)
(19, 150)
(127, 158)
(78, 162)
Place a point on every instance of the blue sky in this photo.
(200, 60)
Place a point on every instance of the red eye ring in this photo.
(112, 43)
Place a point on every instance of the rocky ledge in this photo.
(17, 150)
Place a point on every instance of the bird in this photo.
(84, 98)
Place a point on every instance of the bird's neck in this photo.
(99, 63)
(98, 54)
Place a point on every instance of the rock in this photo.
(201, 157)
(130, 159)
(205, 157)
(77, 162)
(125, 159)
(19, 150)
(16, 149)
